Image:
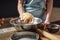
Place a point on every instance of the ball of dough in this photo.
(27, 17)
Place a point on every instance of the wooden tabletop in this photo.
(13, 29)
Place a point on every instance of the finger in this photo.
(45, 25)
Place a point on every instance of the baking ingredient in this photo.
(27, 18)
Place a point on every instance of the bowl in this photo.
(53, 28)
(17, 22)
(25, 35)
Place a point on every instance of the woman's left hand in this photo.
(46, 22)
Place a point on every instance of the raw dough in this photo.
(27, 18)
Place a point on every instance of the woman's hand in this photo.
(27, 17)
(21, 17)
(46, 22)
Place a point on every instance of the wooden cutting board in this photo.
(47, 35)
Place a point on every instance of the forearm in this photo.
(20, 7)
(49, 9)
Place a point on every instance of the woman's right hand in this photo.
(26, 17)
(21, 17)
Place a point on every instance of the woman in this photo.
(37, 8)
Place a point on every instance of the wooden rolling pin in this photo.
(46, 34)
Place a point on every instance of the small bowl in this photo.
(53, 28)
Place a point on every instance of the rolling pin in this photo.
(46, 34)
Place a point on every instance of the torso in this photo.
(34, 6)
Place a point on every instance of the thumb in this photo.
(20, 17)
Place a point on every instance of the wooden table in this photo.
(47, 35)
(12, 30)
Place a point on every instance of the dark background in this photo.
(8, 8)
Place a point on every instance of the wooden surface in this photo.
(55, 16)
(51, 36)
(44, 34)
(55, 35)
(6, 33)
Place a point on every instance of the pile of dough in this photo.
(27, 18)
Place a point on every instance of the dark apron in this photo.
(35, 7)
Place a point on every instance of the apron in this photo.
(36, 8)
